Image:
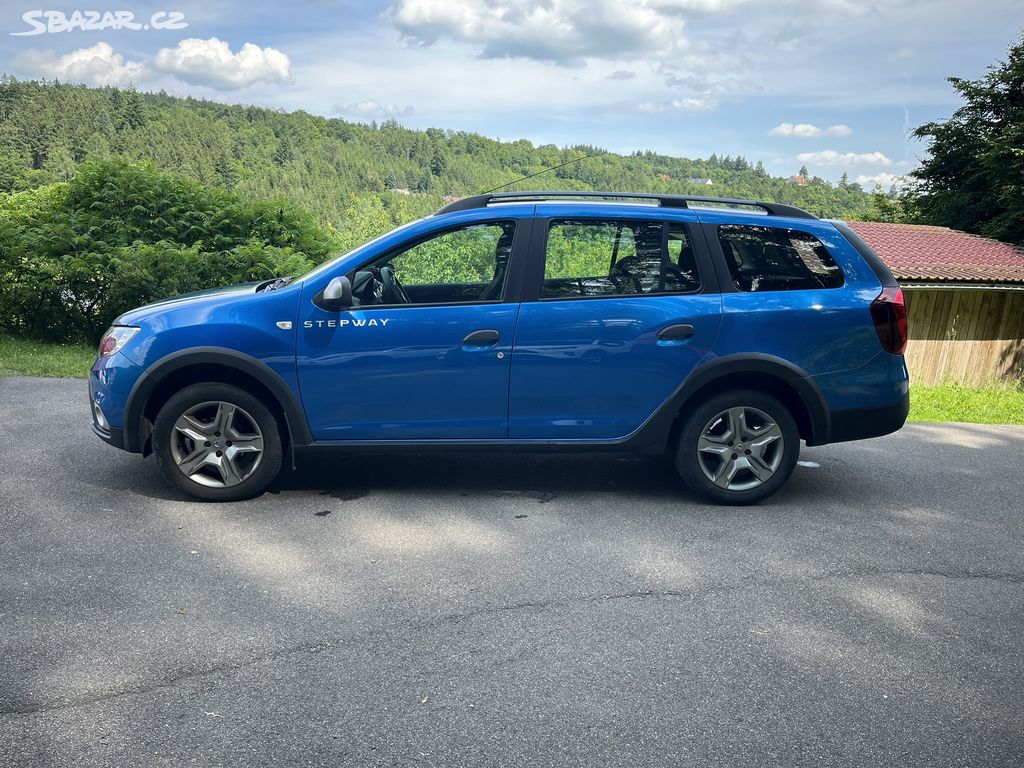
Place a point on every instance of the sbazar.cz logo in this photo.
(355, 323)
(42, 22)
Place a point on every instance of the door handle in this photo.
(482, 338)
(677, 332)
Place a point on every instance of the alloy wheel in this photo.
(740, 448)
(216, 444)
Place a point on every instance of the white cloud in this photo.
(884, 180)
(808, 131)
(97, 65)
(622, 74)
(371, 110)
(562, 31)
(686, 104)
(211, 62)
(831, 157)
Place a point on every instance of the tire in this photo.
(748, 469)
(217, 442)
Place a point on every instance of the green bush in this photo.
(74, 255)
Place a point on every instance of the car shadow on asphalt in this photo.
(540, 477)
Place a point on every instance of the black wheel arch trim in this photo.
(658, 428)
(295, 419)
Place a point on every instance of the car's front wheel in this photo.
(217, 442)
(737, 447)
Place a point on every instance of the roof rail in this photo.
(665, 201)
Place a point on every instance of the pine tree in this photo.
(133, 111)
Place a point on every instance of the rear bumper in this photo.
(862, 423)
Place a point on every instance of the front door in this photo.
(617, 322)
(424, 352)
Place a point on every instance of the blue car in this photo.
(721, 332)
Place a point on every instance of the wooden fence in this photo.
(965, 335)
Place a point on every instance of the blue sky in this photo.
(832, 84)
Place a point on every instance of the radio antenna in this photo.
(538, 173)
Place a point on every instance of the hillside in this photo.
(343, 172)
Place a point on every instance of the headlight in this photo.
(115, 338)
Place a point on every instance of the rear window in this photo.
(591, 258)
(772, 259)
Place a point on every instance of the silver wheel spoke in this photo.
(247, 444)
(767, 434)
(713, 446)
(190, 422)
(225, 418)
(191, 463)
(757, 468)
(726, 472)
(738, 423)
(228, 471)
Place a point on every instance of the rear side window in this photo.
(618, 258)
(772, 259)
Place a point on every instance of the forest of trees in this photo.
(48, 129)
(110, 198)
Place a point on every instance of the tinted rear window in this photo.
(773, 259)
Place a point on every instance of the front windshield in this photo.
(328, 265)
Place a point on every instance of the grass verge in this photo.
(20, 357)
(978, 405)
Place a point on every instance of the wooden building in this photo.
(965, 301)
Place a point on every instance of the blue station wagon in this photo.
(722, 332)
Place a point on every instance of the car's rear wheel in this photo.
(217, 442)
(737, 447)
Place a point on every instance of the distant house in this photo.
(700, 182)
(665, 176)
(799, 180)
(965, 301)
(401, 191)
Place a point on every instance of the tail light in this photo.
(889, 313)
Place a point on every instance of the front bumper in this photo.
(110, 383)
(112, 435)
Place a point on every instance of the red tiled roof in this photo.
(915, 252)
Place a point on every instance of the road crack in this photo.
(538, 606)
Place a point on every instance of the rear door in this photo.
(617, 311)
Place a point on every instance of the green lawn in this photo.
(989, 405)
(19, 357)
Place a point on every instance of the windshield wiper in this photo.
(273, 285)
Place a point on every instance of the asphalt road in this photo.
(509, 610)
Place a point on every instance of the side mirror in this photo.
(337, 295)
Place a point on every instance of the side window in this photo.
(462, 265)
(618, 258)
(772, 259)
